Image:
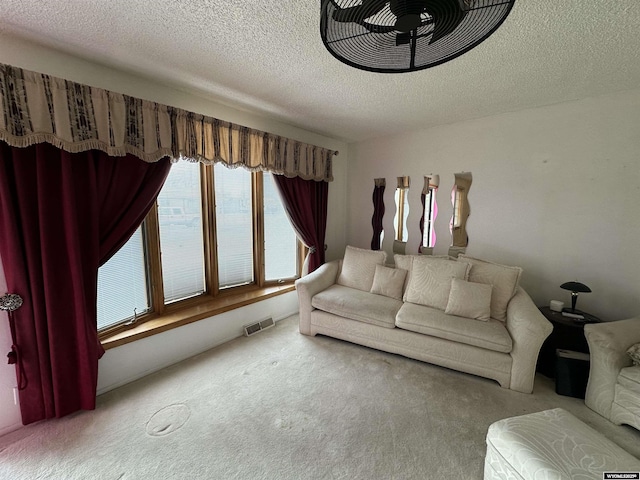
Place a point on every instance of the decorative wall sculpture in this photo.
(378, 213)
(461, 212)
(429, 213)
(402, 212)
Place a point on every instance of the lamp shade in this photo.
(575, 287)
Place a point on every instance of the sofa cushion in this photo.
(359, 267)
(467, 299)
(358, 305)
(626, 401)
(388, 282)
(629, 378)
(430, 280)
(491, 334)
(503, 278)
(404, 262)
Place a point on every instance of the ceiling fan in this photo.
(390, 36)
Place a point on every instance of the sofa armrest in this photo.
(529, 329)
(308, 286)
(608, 344)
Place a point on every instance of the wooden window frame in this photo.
(163, 316)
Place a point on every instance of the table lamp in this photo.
(575, 288)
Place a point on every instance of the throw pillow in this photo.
(634, 353)
(468, 299)
(359, 267)
(503, 278)
(430, 280)
(388, 281)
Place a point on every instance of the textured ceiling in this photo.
(267, 57)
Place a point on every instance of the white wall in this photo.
(555, 190)
(131, 361)
(134, 360)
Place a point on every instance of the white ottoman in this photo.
(551, 445)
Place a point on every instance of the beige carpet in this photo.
(280, 405)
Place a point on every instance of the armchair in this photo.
(613, 390)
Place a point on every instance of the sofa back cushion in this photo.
(359, 267)
(405, 262)
(430, 280)
(503, 278)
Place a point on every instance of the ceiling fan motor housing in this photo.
(408, 13)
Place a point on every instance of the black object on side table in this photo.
(563, 353)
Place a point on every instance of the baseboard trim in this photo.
(10, 428)
(140, 375)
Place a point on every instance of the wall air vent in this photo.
(254, 328)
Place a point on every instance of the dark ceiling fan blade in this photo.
(447, 15)
(359, 13)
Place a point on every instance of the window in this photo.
(279, 238)
(234, 226)
(213, 231)
(122, 284)
(181, 239)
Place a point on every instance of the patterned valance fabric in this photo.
(37, 108)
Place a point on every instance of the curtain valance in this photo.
(37, 108)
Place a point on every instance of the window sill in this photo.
(205, 308)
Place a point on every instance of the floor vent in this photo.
(254, 328)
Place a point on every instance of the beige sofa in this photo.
(614, 382)
(465, 314)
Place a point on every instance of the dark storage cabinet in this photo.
(572, 373)
(567, 334)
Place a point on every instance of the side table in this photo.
(567, 334)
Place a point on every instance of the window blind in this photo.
(280, 241)
(181, 239)
(234, 226)
(122, 284)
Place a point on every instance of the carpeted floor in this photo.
(280, 405)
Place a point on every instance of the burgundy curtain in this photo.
(305, 202)
(61, 216)
(378, 213)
